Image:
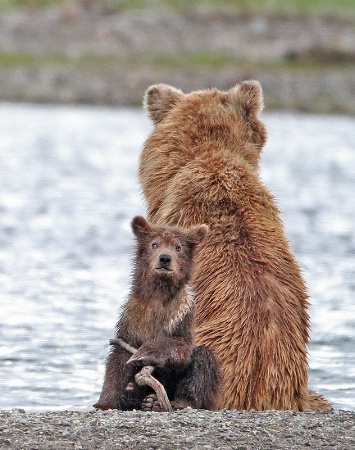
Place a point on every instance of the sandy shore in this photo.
(188, 429)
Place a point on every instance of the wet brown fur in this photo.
(158, 319)
(200, 165)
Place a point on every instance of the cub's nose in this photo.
(164, 260)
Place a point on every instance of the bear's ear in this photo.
(247, 98)
(197, 234)
(159, 99)
(140, 226)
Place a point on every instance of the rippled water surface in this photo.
(68, 191)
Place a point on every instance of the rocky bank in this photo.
(187, 429)
(83, 52)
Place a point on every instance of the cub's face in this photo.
(166, 252)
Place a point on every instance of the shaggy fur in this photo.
(158, 319)
(200, 165)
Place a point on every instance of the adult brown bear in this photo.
(200, 165)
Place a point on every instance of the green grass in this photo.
(280, 6)
(31, 60)
(273, 6)
(195, 60)
(219, 60)
(10, 4)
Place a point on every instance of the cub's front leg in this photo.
(116, 378)
(163, 352)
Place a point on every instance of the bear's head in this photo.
(164, 255)
(229, 120)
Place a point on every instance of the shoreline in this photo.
(84, 55)
(186, 429)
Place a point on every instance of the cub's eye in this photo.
(178, 248)
(154, 245)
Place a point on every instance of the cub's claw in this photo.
(151, 403)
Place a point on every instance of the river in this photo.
(68, 190)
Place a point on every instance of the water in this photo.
(68, 191)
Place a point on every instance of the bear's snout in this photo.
(165, 261)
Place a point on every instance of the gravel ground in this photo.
(188, 429)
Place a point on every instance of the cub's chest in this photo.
(154, 319)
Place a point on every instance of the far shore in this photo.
(77, 54)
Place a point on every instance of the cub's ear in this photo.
(247, 98)
(198, 233)
(140, 226)
(159, 99)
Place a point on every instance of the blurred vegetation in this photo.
(10, 4)
(319, 78)
(186, 60)
(263, 6)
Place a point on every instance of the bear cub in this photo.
(158, 320)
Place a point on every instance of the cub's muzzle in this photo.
(164, 261)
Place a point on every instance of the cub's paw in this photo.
(142, 358)
(106, 403)
(151, 403)
(104, 406)
(130, 398)
(180, 404)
